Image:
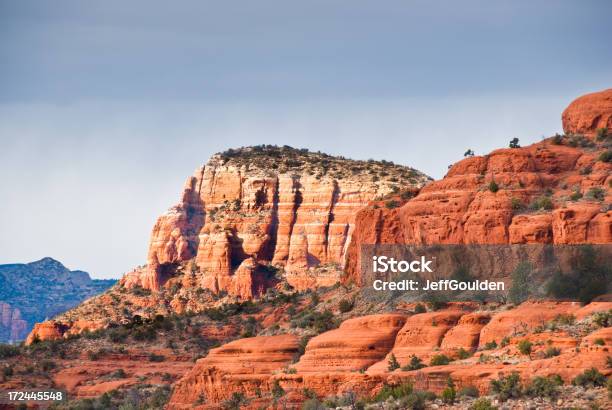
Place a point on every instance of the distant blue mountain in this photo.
(32, 292)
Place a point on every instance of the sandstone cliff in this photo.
(251, 211)
(557, 191)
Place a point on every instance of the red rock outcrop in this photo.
(553, 192)
(244, 365)
(586, 114)
(333, 361)
(524, 318)
(48, 330)
(420, 336)
(243, 206)
(355, 345)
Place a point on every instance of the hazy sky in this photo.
(107, 106)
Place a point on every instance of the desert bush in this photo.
(544, 386)
(493, 187)
(313, 404)
(552, 352)
(345, 305)
(605, 156)
(463, 354)
(508, 387)
(490, 345)
(516, 204)
(277, 390)
(420, 308)
(439, 360)
(519, 291)
(524, 346)
(449, 394)
(156, 357)
(603, 319)
(590, 378)
(391, 204)
(415, 363)
(588, 279)
(396, 392)
(576, 195)
(7, 351)
(602, 133)
(482, 404)
(235, 402)
(514, 143)
(393, 363)
(542, 202)
(595, 193)
(468, 391)
(47, 365)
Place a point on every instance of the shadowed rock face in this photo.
(256, 206)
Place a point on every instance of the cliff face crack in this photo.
(330, 217)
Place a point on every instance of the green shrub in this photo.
(47, 365)
(605, 156)
(235, 402)
(588, 279)
(596, 193)
(493, 187)
(525, 346)
(391, 204)
(602, 133)
(463, 354)
(7, 371)
(396, 392)
(557, 139)
(7, 351)
(490, 345)
(542, 202)
(552, 352)
(313, 404)
(420, 308)
(415, 363)
(590, 378)
(603, 319)
(156, 357)
(118, 374)
(576, 195)
(514, 143)
(482, 404)
(393, 363)
(277, 390)
(468, 391)
(508, 387)
(439, 360)
(519, 291)
(599, 341)
(544, 386)
(566, 319)
(449, 394)
(505, 341)
(345, 305)
(516, 204)
(118, 335)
